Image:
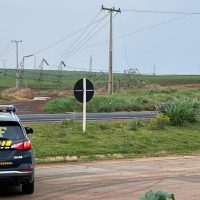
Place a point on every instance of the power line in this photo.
(78, 44)
(88, 40)
(140, 30)
(70, 35)
(124, 42)
(6, 49)
(71, 53)
(162, 12)
(153, 26)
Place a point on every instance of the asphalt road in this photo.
(90, 116)
(114, 180)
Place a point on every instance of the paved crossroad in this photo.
(90, 116)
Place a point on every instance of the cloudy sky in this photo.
(75, 30)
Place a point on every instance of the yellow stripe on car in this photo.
(3, 143)
(8, 143)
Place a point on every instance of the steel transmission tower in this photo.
(41, 73)
(21, 70)
(110, 76)
(60, 74)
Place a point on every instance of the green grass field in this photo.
(169, 80)
(113, 137)
(100, 79)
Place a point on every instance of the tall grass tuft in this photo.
(180, 111)
(136, 124)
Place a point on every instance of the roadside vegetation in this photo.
(174, 131)
(160, 195)
(138, 100)
(180, 111)
(114, 138)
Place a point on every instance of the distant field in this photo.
(51, 79)
(169, 80)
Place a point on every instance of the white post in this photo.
(84, 105)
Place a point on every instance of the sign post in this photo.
(83, 92)
(84, 105)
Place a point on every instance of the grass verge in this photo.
(107, 140)
(124, 101)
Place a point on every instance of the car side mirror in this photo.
(28, 130)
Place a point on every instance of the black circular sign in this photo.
(78, 90)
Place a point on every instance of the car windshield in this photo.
(11, 130)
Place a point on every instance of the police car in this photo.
(17, 159)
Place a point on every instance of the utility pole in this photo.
(110, 75)
(90, 65)
(4, 66)
(154, 70)
(17, 63)
(35, 62)
(4, 62)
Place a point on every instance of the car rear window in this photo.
(11, 130)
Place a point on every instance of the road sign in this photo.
(84, 91)
(78, 90)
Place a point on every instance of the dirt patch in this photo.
(185, 86)
(152, 86)
(25, 105)
(30, 107)
(18, 95)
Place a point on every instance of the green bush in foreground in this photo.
(159, 122)
(151, 195)
(180, 111)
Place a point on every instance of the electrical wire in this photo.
(140, 30)
(162, 12)
(6, 49)
(154, 26)
(70, 35)
(124, 42)
(78, 44)
(87, 41)
(72, 68)
(79, 40)
(125, 35)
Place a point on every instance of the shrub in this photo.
(180, 111)
(159, 122)
(151, 195)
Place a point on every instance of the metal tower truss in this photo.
(21, 73)
(59, 77)
(40, 72)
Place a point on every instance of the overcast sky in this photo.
(173, 47)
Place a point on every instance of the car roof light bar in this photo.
(7, 108)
